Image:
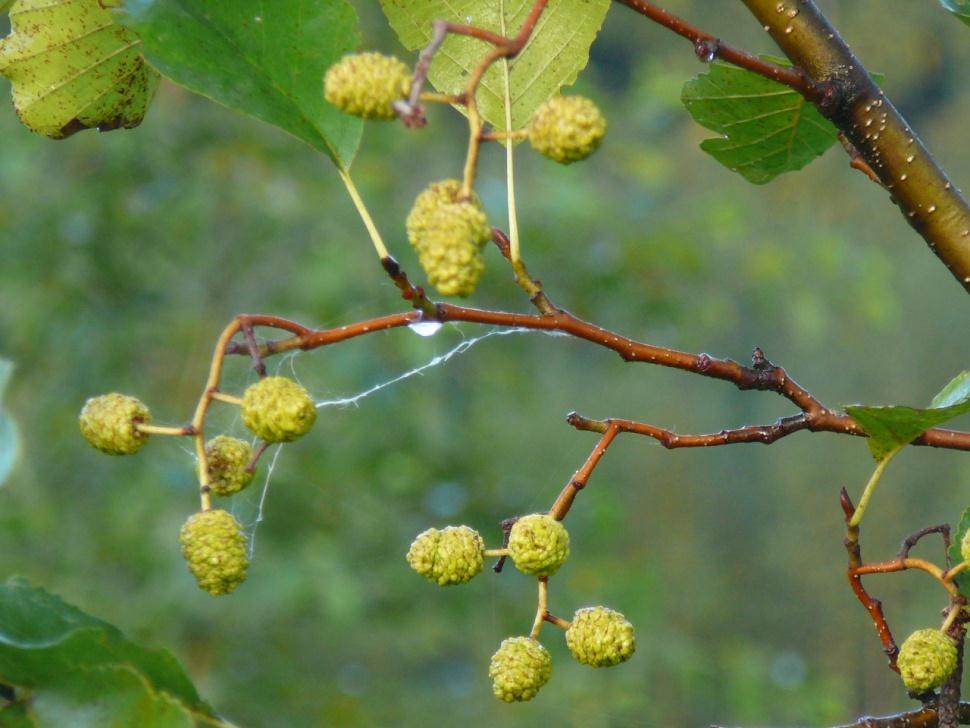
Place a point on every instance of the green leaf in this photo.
(766, 128)
(9, 440)
(891, 427)
(960, 8)
(80, 671)
(956, 392)
(557, 51)
(962, 580)
(266, 59)
(72, 67)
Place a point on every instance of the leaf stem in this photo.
(871, 487)
(368, 221)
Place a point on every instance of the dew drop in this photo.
(931, 209)
(425, 328)
(909, 159)
(902, 177)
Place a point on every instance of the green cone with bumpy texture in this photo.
(567, 128)
(278, 409)
(453, 555)
(448, 234)
(926, 659)
(367, 85)
(72, 67)
(519, 668)
(214, 548)
(108, 423)
(227, 458)
(600, 637)
(538, 544)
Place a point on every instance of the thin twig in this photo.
(709, 47)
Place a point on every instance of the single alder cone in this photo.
(926, 659)
(538, 544)
(519, 668)
(600, 637)
(278, 409)
(567, 128)
(108, 423)
(214, 548)
(367, 85)
(227, 458)
(448, 234)
(453, 555)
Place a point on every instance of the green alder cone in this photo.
(278, 409)
(600, 637)
(538, 544)
(448, 235)
(108, 423)
(72, 68)
(214, 548)
(567, 129)
(367, 85)
(227, 458)
(926, 659)
(519, 669)
(453, 555)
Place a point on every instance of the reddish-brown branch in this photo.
(581, 477)
(762, 375)
(872, 605)
(922, 718)
(708, 47)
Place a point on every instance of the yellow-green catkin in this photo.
(227, 458)
(600, 637)
(453, 555)
(448, 233)
(519, 669)
(109, 423)
(926, 659)
(538, 544)
(367, 85)
(278, 409)
(214, 548)
(567, 129)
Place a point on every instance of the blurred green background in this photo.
(124, 255)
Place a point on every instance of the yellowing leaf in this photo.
(557, 51)
(72, 68)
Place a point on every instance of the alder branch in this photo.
(930, 202)
(922, 718)
(879, 141)
(709, 47)
(762, 375)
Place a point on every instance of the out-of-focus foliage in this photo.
(9, 441)
(125, 254)
(960, 8)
